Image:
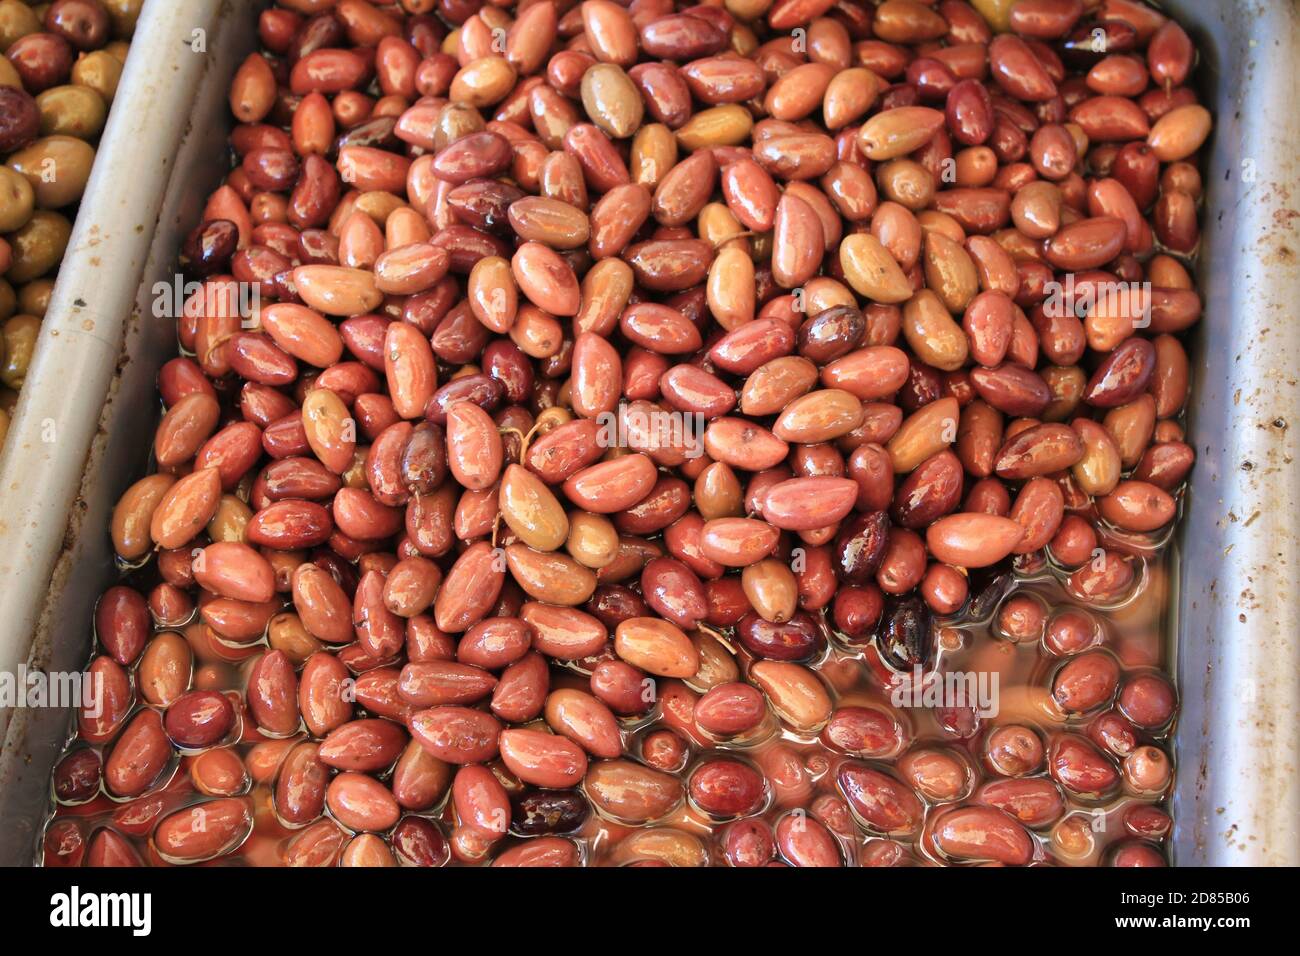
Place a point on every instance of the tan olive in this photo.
(455, 121)
(8, 401)
(483, 82)
(719, 226)
(39, 245)
(592, 539)
(950, 271)
(612, 100)
(906, 182)
(493, 16)
(744, 40)
(72, 111)
(532, 510)
(17, 20)
(822, 293)
(58, 168)
(718, 493)
(230, 523)
(286, 633)
(133, 513)
(717, 665)
(101, 71)
(8, 75)
(720, 126)
(34, 298)
(283, 563)
(932, 333)
(17, 200)
(4, 426)
(20, 341)
(379, 205)
(355, 476)
(772, 589)
(118, 49)
(550, 419)
(654, 152)
(123, 14)
(8, 300)
(747, 9)
(1066, 383)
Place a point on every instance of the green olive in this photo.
(20, 334)
(72, 111)
(17, 200)
(8, 75)
(34, 298)
(39, 245)
(8, 300)
(17, 20)
(57, 167)
(100, 71)
(124, 14)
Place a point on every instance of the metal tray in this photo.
(92, 384)
(1237, 796)
(1237, 615)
